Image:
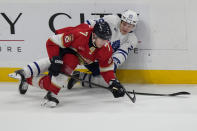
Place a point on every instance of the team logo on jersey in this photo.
(68, 38)
(115, 45)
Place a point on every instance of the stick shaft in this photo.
(132, 99)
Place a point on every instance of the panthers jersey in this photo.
(79, 39)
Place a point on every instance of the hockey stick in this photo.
(133, 99)
(153, 94)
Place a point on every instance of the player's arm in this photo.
(92, 22)
(121, 54)
(107, 71)
(54, 45)
(110, 19)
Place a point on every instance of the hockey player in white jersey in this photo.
(123, 38)
(123, 41)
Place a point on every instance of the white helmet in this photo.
(130, 17)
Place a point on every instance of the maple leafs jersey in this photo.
(79, 39)
(121, 44)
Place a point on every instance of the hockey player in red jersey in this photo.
(123, 40)
(72, 46)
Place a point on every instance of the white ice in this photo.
(83, 109)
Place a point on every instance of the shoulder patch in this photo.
(68, 38)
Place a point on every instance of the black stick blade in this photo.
(133, 99)
(155, 94)
(179, 93)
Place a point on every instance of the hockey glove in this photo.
(55, 67)
(116, 88)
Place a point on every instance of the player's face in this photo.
(100, 42)
(126, 27)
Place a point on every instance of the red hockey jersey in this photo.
(78, 39)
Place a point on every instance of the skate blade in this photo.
(14, 76)
(47, 103)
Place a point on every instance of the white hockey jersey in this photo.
(121, 44)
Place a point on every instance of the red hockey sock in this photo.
(29, 80)
(45, 83)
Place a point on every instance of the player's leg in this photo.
(72, 81)
(90, 77)
(30, 70)
(94, 68)
(36, 68)
(53, 84)
(50, 84)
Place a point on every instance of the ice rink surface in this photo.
(83, 109)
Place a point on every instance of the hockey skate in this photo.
(50, 100)
(72, 81)
(23, 85)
